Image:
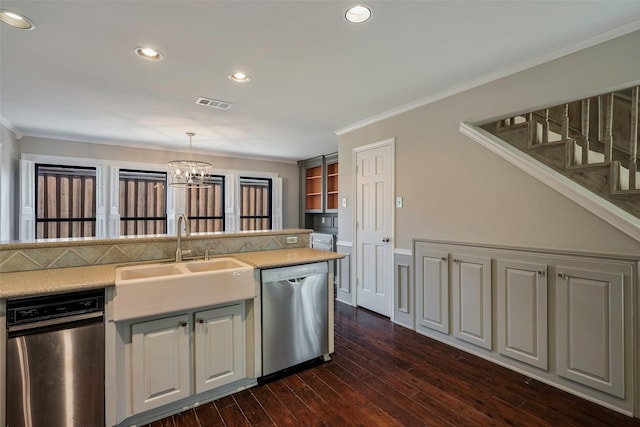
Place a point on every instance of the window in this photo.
(205, 206)
(66, 201)
(126, 198)
(143, 207)
(255, 204)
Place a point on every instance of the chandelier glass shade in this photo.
(189, 173)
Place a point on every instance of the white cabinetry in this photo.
(160, 362)
(471, 280)
(590, 328)
(175, 357)
(564, 318)
(432, 290)
(219, 347)
(522, 312)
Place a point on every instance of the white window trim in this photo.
(107, 193)
(276, 196)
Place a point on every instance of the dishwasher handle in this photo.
(54, 322)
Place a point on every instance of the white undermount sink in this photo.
(148, 290)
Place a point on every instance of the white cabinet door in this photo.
(432, 289)
(591, 329)
(471, 281)
(219, 347)
(522, 312)
(160, 362)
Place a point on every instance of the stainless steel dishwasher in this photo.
(295, 318)
(55, 360)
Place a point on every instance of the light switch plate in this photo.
(292, 239)
(398, 202)
(344, 202)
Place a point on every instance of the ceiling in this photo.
(76, 77)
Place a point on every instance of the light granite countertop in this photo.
(59, 280)
(280, 258)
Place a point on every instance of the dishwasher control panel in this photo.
(33, 309)
(294, 272)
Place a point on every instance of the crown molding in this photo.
(504, 72)
(7, 124)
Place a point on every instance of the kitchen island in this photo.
(243, 316)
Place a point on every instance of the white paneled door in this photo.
(374, 226)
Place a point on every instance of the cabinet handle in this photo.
(201, 321)
(540, 273)
(444, 259)
(456, 260)
(386, 239)
(562, 275)
(183, 324)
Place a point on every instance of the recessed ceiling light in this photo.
(148, 53)
(240, 77)
(358, 13)
(16, 20)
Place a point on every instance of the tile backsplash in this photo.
(59, 254)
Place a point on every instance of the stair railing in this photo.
(590, 124)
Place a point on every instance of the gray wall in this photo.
(454, 189)
(288, 171)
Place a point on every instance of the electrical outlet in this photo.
(292, 239)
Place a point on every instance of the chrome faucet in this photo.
(187, 232)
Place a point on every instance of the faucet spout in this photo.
(187, 232)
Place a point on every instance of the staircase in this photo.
(593, 141)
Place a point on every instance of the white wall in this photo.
(454, 189)
(8, 189)
(288, 171)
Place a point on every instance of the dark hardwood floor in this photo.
(382, 374)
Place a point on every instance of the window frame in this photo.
(222, 218)
(143, 218)
(38, 220)
(269, 217)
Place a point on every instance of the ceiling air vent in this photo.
(214, 103)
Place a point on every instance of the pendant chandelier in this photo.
(189, 173)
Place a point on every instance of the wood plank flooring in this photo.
(382, 374)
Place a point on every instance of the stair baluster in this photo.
(633, 143)
(545, 127)
(565, 122)
(586, 109)
(608, 132)
(533, 130)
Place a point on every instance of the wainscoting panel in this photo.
(404, 299)
(344, 291)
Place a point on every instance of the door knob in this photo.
(386, 239)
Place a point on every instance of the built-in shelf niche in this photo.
(314, 189)
(332, 186)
